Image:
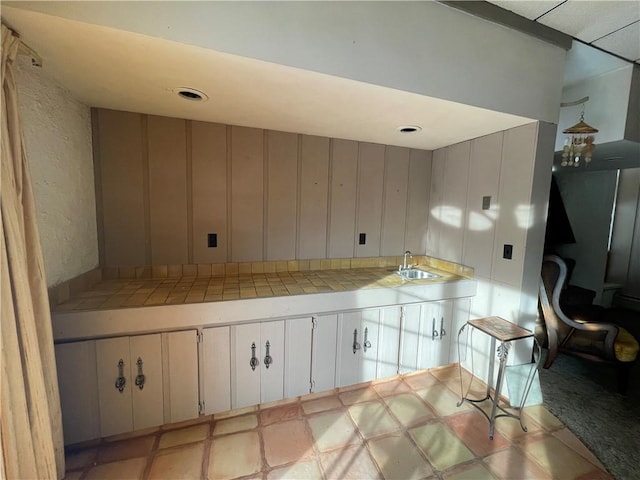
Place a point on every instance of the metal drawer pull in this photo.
(140, 377)
(434, 332)
(268, 359)
(356, 345)
(443, 332)
(253, 363)
(367, 343)
(121, 381)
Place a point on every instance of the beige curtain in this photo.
(31, 435)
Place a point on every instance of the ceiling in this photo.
(612, 26)
(87, 59)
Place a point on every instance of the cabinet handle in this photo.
(253, 363)
(434, 332)
(140, 377)
(367, 343)
(121, 381)
(356, 345)
(268, 359)
(443, 332)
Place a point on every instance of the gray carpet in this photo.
(584, 396)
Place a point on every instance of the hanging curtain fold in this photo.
(31, 422)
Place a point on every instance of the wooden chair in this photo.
(582, 337)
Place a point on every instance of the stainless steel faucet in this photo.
(404, 260)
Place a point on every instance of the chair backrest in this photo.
(558, 324)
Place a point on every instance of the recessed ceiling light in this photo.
(191, 94)
(409, 129)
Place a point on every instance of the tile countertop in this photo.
(112, 307)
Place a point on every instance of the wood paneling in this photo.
(246, 194)
(167, 190)
(435, 224)
(209, 187)
(120, 162)
(418, 201)
(370, 185)
(396, 179)
(166, 183)
(484, 170)
(314, 186)
(282, 191)
(344, 175)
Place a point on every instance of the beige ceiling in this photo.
(106, 67)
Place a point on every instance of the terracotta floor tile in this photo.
(511, 464)
(557, 459)
(352, 463)
(446, 372)
(440, 445)
(332, 430)
(279, 414)
(473, 471)
(321, 404)
(306, 470)
(568, 438)
(473, 429)
(184, 463)
(287, 442)
(391, 387)
(125, 449)
(234, 456)
(409, 409)
(235, 424)
(236, 412)
(421, 380)
(510, 427)
(123, 470)
(73, 475)
(596, 474)
(372, 419)
(80, 459)
(197, 433)
(398, 458)
(358, 396)
(443, 400)
(543, 417)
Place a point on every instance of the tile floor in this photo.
(407, 427)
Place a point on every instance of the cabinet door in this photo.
(181, 361)
(297, 367)
(388, 342)
(114, 386)
(78, 384)
(245, 378)
(272, 368)
(216, 370)
(435, 334)
(324, 353)
(411, 337)
(146, 381)
(361, 352)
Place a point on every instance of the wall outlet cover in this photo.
(212, 240)
(362, 239)
(507, 251)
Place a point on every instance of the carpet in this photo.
(584, 396)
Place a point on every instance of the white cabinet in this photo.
(257, 363)
(76, 364)
(426, 333)
(297, 354)
(129, 383)
(324, 353)
(367, 345)
(180, 362)
(146, 380)
(216, 369)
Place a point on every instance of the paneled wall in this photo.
(513, 169)
(165, 184)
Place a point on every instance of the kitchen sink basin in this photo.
(416, 274)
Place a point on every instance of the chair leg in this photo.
(624, 372)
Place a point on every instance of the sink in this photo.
(416, 274)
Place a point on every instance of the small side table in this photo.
(504, 331)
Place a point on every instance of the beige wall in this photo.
(163, 184)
